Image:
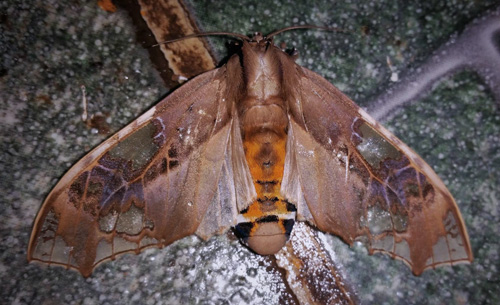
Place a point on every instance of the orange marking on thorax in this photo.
(265, 155)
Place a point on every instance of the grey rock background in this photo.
(50, 49)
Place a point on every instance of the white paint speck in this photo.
(58, 139)
(394, 77)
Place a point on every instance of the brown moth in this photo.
(256, 145)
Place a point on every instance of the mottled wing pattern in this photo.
(148, 185)
(353, 178)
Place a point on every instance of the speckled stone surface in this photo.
(49, 49)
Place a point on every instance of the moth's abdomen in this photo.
(266, 224)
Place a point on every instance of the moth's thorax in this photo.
(263, 106)
(262, 70)
(266, 224)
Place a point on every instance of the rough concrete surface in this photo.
(50, 49)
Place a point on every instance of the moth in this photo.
(254, 145)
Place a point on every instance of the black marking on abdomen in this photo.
(243, 229)
(268, 218)
(264, 199)
(267, 185)
(273, 182)
(244, 211)
(288, 225)
(290, 207)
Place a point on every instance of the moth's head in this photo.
(258, 38)
(259, 42)
(262, 42)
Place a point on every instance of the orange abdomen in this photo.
(270, 218)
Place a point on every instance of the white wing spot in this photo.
(160, 134)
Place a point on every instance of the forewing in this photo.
(148, 185)
(362, 183)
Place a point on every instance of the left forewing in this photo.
(362, 183)
(148, 185)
